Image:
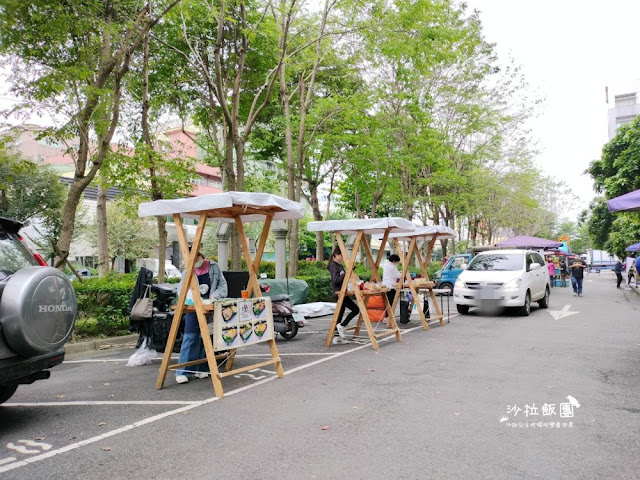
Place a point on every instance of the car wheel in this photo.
(6, 392)
(463, 309)
(447, 286)
(525, 310)
(544, 301)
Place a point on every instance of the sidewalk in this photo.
(72, 349)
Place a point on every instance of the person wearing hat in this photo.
(213, 285)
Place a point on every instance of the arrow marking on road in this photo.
(558, 314)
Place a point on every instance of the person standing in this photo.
(631, 271)
(563, 271)
(618, 270)
(212, 285)
(577, 276)
(552, 270)
(337, 278)
(390, 277)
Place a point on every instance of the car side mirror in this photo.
(534, 266)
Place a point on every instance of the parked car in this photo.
(503, 278)
(170, 271)
(83, 272)
(447, 276)
(37, 313)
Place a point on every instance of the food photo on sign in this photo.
(242, 322)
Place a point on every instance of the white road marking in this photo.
(91, 402)
(7, 460)
(31, 443)
(20, 448)
(106, 360)
(558, 314)
(170, 413)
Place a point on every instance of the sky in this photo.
(569, 52)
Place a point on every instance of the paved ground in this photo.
(459, 401)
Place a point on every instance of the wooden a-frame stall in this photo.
(407, 246)
(363, 228)
(229, 207)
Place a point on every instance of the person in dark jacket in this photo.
(577, 276)
(618, 270)
(337, 278)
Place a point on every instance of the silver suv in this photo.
(37, 313)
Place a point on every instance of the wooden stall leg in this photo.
(276, 356)
(334, 322)
(365, 319)
(392, 323)
(230, 359)
(436, 306)
(356, 332)
(177, 314)
(416, 300)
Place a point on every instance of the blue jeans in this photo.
(576, 283)
(192, 347)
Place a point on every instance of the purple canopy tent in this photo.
(629, 202)
(522, 241)
(633, 248)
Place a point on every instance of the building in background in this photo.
(174, 143)
(624, 105)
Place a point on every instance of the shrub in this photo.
(319, 288)
(105, 300)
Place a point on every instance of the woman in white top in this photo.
(391, 275)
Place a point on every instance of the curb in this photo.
(99, 344)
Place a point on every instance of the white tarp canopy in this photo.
(427, 233)
(366, 225)
(251, 207)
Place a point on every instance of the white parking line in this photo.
(155, 418)
(91, 402)
(301, 354)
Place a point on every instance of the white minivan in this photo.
(503, 278)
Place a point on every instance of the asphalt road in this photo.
(478, 398)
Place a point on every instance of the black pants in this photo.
(391, 294)
(351, 305)
(619, 275)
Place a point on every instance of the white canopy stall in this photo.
(426, 234)
(230, 207)
(362, 227)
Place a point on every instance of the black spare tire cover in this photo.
(37, 310)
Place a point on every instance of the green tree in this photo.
(617, 172)
(129, 236)
(30, 192)
(72, 57)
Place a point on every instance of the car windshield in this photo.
(497, 262)
(13, 255)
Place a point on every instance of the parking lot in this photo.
(433, 405)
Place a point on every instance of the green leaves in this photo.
(29, 191)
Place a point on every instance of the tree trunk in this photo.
(156, 194)
(69, 213)
(111, 68)
(317, 216)
(103, 238)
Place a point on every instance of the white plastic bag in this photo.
(143, 355)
